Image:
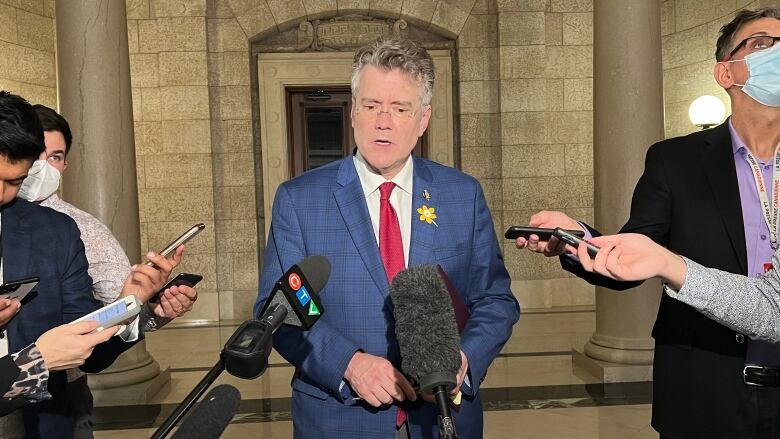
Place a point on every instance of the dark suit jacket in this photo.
(325, 212)
(688, 200)
(38, 241)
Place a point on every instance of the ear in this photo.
(65, 166)
(352, 112)
(722, 74)
(426, 117)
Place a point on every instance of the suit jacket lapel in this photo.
(423, 234)
(354, 211)
(717, 157)
(16, 244)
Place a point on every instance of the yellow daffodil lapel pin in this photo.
(427, 214)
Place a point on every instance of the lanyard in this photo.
(769, 209)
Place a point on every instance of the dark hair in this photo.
(53, 121)
(21, 135)
(729, 30)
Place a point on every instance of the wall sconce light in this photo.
(706, 111)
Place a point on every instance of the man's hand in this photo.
(464, 368)
(632, 256)
(548, 219)
(175, 301)
(146, 280)
(8, 309)
(69, 345)
(376, 380)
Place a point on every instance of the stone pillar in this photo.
(93, 86)
(628, 118)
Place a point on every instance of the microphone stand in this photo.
(188, 402)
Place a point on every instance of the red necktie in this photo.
(391, 248)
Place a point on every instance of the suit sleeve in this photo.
(494, 309)
(749, 305)
(323, 352)
(78, 300)
(651, 211)
(9, 372)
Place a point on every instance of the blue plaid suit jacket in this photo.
(324, 212)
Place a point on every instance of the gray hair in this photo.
(730, 29)
(402, 54)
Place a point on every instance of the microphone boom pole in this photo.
(188, 402)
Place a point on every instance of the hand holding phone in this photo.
(574, 241)
(187, 279)
(515, 232)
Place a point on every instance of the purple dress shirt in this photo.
(757, 242)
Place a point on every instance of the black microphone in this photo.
(296, 292)
(427, 336)
(212, 415)
(246, 352)
(294, 301)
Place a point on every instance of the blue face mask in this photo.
(763, 85)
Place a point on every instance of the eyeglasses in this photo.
(753, 44)
(400, 113)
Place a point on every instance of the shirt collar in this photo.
(370, 180)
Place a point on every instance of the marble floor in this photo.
(531, 390)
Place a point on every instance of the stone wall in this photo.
(27, 49)
(546, 88)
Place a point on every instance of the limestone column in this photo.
(93, 86)
(628, 118)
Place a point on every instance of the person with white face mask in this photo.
(42, 181)
(712, 197)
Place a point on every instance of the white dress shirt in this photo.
(400, 198)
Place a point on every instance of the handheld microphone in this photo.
(296, 291)
(245, 354)
(212, 415)
(294, 301)
(427, 336)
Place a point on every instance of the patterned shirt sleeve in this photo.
(33, 380)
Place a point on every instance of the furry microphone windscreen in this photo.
(424, 323)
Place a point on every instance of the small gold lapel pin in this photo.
(426, 195)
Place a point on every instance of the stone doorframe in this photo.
(279, 70)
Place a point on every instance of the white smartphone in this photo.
(189, 234)
(113, 314)
(18, 289)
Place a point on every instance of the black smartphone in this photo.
(18, 289)
(574, 241)
(187, 279)
(515, 232)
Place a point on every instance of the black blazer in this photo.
(688, 200)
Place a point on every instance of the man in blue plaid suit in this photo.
(347, 382)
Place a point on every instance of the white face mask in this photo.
(42, 181)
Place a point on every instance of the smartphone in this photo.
(574, 241)
(113, 314)
(187, 279)
(18, 289)
(515, 232)
(189, 234)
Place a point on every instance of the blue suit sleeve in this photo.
(321, 353)
(494, 309)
